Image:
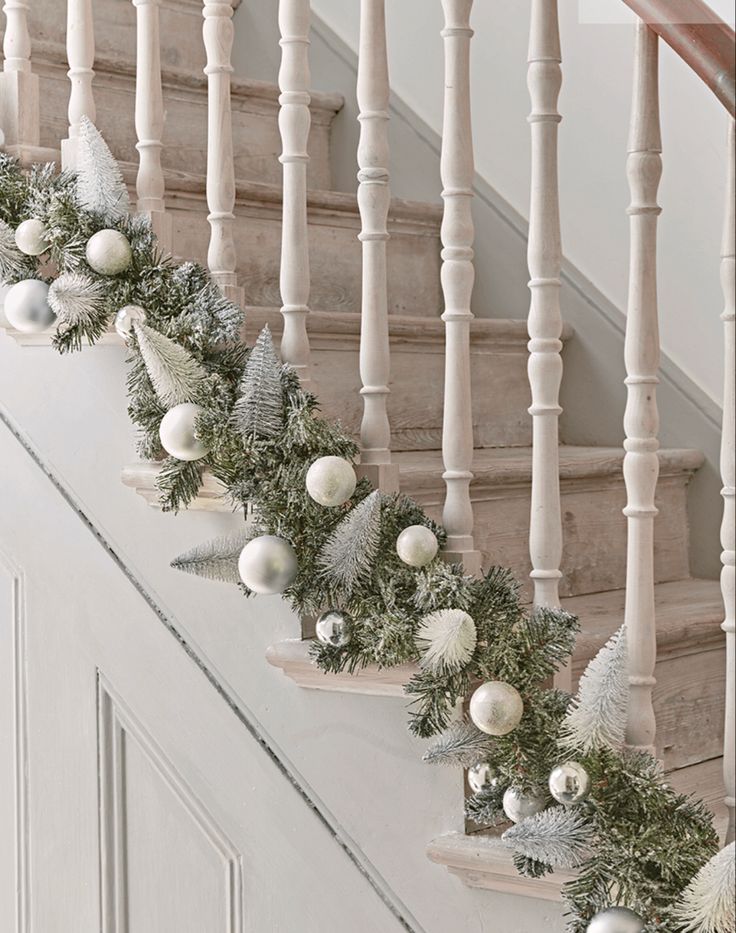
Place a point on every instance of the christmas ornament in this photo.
(268, 565)
(179, 435)
(175, 375)
(558, 837)
(417, 546)
(259, 412)
(30, 237)
(100, 185)
(520, 806)
(333, 628)
(216, 559)
(569, 783)
(348, 556)
(446, 639)
(482, 775)
(108, 252)
(496, 708)
(616, 920)
(126, 317)
(331, 481)
(27, 308)
(708, 904)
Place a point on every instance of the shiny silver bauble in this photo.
(518, 806)
(333, 628)
(126, 317)
(569, 783)
(481, 776)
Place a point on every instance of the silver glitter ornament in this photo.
(482, 775)
(333, 628)
(178, 432)
(331, 481)
(268, 565)
(126, 317)
(108, 252)
(569, 783)
(616, 920)
(27, 308)
(417, 546)
(496, 708)
(518, 806)
(30, 237)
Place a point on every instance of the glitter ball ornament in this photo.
(481, 776)
(569, 783)
(126, 317)
(616, 920)
(27, 308)
(496, 708)
(108, 252)
(178, 432)
(331, 481)
(518, 806)
(417, 546)
(30, 237)
(268, 565)
(333, 628)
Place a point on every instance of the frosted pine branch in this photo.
(259, 412)
(216, 559)
(559, 837)
(100, 185)
(461, 744)
(348, 556)
(598, 714)
(76, 300)
(175, 375)
(708, 904)
(447, 640)
(11, 258)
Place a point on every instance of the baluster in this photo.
(80, 52)
(458, 274)
(19, 114)
(149, 120)
(641, 419)
(218, 41)
(294, 122)
(373, 203)
(728, 476)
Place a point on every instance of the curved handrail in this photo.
(699, 36)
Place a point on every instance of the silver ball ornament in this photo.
(126, 317)
(109, 252)
(417, 546)
(333, 628)
(27, 308)
(519, 806)
(569, 783)
(30, 237)
(268, 565)
(178, 432)
(331, 481)
(482, 775)
(616, 920)
(496, 708)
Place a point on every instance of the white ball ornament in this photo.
(496, 708)
(268, 565)
(482, 775)
(126, 317)
(417, 546)
(178, 432)
(519, 806)
(109, 252)
(569, 783)
(30, 237)
(333, 628)
(27, 308)
(616, 920)
(331, 481)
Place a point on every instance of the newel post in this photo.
(19, 96)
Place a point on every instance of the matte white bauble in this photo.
(333, 628)
(482, 775)
(616, 920)
(569, 783)
(417, 546)
(496, 708)
(27, 308)
(268, 565)
(126, 317)
(331, 481)
(30, 237)
(519, 806)
(178, 432)
(109, 252)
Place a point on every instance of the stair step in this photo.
(481, 860)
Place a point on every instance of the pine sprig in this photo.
(462, 744)
(78, 302)
(708, 904)
(348, 557)
(216, 559)
(558, 837)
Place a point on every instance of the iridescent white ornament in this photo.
(496, 708)
(333, 628)
(27, 307)
(126, 317)
(30, 237)
(109, 252)
(178, 432)
(482, 775)
(616, 920)
(417, 546)
(519, 806)
(331, 481)
(268, 565)
(569, 783)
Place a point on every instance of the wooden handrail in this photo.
(700, 37)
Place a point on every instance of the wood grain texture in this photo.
(19, 85)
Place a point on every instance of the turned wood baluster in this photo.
(294, 122)
(728, 476)
(641, 419)
(218, 41)
(80, 51)
(458, 274)
(149, 120)
(373, 203)
(19, 114)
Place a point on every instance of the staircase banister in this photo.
(700, 37)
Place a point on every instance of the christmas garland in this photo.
(365, 563)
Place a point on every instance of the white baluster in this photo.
(19, 114)
(80, 52)
(641, 420)
(373, 202)
(149, 120)
(458, 274)
(294, 122)
(218, 41)
(728, 476)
